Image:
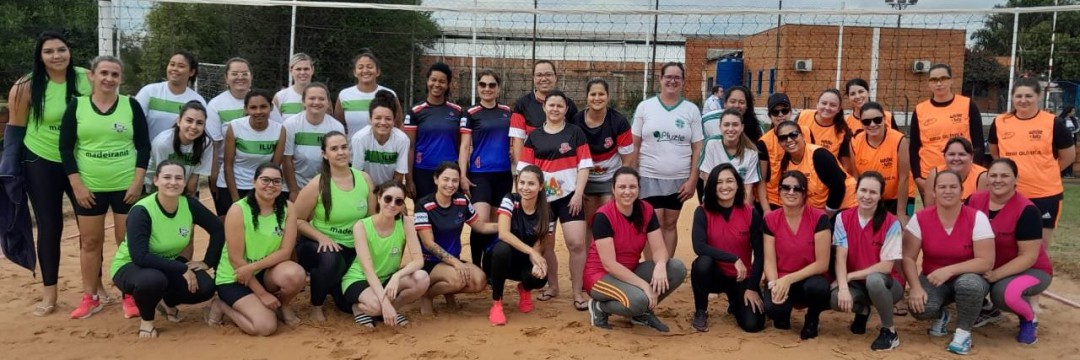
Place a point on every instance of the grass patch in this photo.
(1065, 251)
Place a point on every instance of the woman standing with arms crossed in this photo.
(187, 144)
(668, 136)
(161, 102)
(797, 238)
(959, 157)
(434, 127)
(290, 101)
(353, 103)
(256, 279)
(249, 142)
(884, 150)
(484, 158)
(100, 134)
(561, 151)
(610, 144)
(1041, 148)
(304, 133)
(961, 250)
(37, 104)
(376, 284)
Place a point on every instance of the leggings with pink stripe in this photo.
(1010, 294)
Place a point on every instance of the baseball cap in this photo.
(777, 99)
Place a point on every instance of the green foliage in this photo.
(22, 20)
(1033, 39)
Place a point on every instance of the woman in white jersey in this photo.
(220, 111)
(735, 147)
(303, 138)
(381, 149)
(668, 136)
(161, 102)
(290, 101)
(353, 102)
(187, 144)
(249, 142)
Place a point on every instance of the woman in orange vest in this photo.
(829, 188)
(827, 126)
(879, 148)
(959, 155)
(935, 121)
(769, 150)
(1041, 148)
(858, 93)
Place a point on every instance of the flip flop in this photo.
(43, 310)
(150, 334)
(581, 305)
(173, 316)
(545, 295)
(900, 311)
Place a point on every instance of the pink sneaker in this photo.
(87, 307)
(496, 315)
(525, 303)
(130, 309)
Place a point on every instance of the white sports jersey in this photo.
(162, 107)
(289, 102)
(666, 135)
(161, 149)
(356, 105)
(253, 148)
(713, 154)
(380, 161)
(303, 141)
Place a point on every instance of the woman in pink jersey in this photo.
(616, 282)
(952, 262)
(1022, 268)
(796, 257)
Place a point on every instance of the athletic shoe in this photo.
(809, 330)
(858, 326)
(1028, 332)
(960, 345)
(597, 316)
(87, 307)
(987, 316)
(940, 327)
(650, 320)
(496, 315)
(701, 320)
(130, 309)
(525, 303)
(886, 340)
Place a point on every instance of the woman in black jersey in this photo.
(610, 144)
(525, 224)
(726, 240)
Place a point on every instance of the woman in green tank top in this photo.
(376, 283)
(256, 280)
(326, 210)
(37, 102)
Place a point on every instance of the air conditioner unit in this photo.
(804, 65)
(920, 66)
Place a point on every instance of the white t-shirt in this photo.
(356, 105)
(380, 161)
(713, 154)
(892, 249)
(253, 148)
(712, 104)
(161, 149)
(666, 135)
(162, 107)
(303, 141)
(710, 123)
(222, 110)
(289, 102)
(981, 231)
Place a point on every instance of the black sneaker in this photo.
(650, 320)
(701, 320)
(858, 326)
(782, 324)
(886, 340)
(809, 330)
(597, 316)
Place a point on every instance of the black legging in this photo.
(503, 262)
(813, 292)
(706, 278)
(150, 286)
(478, 244)
(326, 269)
(46, 183)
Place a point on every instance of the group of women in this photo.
(308, 191)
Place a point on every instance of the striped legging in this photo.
(621, 298)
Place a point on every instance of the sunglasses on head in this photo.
(876, 120)
(485, 85)
(779, 112)
(388, 199)
(792, 188)
(789, 136)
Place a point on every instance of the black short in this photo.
(222, 201)
(560, 209)
(1049, 209)
(423, 181)
(430, 265)
(352, 293)
(103, 201)
(490, 187)
(232, 292)
(669, 202)
(891, 206)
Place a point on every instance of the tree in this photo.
(22, 20)
(1033, 40)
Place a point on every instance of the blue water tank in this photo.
(729, 71)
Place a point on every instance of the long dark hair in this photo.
(1065, 111)
(787, 157)
(710, 201)
(637, 216)
(193, 64)
(279, 201)
(839, 124)
(749, 117)
(800, 178)
(543, 208)
(325, 178)
(880, 210)
(39, 77)
(381, 189)
(200, 143)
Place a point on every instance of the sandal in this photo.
(900, 311)
(43, 310)
(364, 320)
(173, 316)
(546, 294)
(150, 334)
(581, 305)
(401, 320)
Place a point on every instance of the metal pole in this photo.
(779, 17)
(535, 6)
(292, 40)
(1050, 66)
(840, 49)
(1012, 59)
(896, 59)
(656, 27)
(106, 28)
(645, 75)
(473, 51)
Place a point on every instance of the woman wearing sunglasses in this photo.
(376, 284)
(771, 151)
(884, 150)
(796, 254)
(959, 158)
(828, 187)
(858, 93)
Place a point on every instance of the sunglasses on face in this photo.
(876, 120)
(789, 136)
(270, 181)
(792, 188)
(484, 85)
(779, 112)
(388, 199)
